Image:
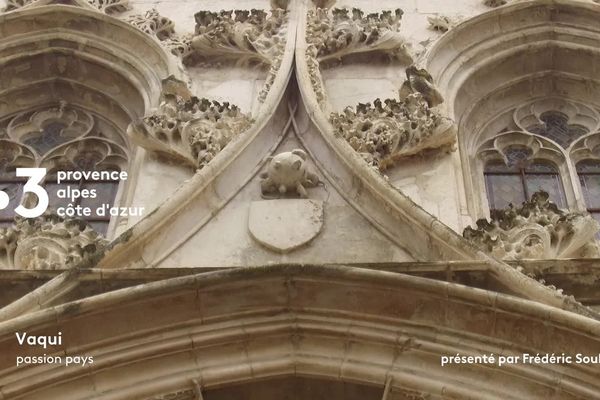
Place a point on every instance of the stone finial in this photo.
(287, 173)
(48, 242)
(537, 229)
(384, 132)
(191, 129)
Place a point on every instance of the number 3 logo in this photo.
(32, 185)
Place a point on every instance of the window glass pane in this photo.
(589, 178)
(498, 166)
(588, 166)
(504, 189)
(556, 127)
(105, 194)
(52, 188)
(517, 157)
(542, 167)
(48, 138)
(549, 183)
(14, 190)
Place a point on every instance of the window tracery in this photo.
(60, 137)
(537, 150)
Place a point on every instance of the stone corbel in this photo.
(48, 242)
(387, 131)
(537, 229)
(187, 128)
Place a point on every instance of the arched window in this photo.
(61, 137)
(517, 179)
(589, 178)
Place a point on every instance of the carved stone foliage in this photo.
(241, 36)
(190, 129)
(287, 173)
(48, 242)
(60, 136)
(105, 6)
(335, 34)
(384, 132)
(342, 32)
(442, 23)
(537, 229)
(154, 24)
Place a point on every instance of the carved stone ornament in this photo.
(105, 6)
(537, 229)
(188, 128)
(287, 174)
(384, 132)
(243, 36)
(48, 242)
(442, 23)
(342, 32)
(154, 24)
(495, 3)
(420, 81)
(335, 34)
(285, 225)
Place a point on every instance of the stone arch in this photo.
(494, 65)
(340, 324)
(84, 71)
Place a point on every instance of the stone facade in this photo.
(337, 195)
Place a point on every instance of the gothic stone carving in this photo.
(48, 242)
(442, 23)
(60, 135)
(243, 36)
(105, 6)
(191, 129)
(332, 36)
(420, 81)
(345, 33)
(536, 229)
(387, 131)
(154, 24)
(287, 173)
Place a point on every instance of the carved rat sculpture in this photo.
(287, 173)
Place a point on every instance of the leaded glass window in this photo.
(516, 182)
(589, 178)
(555, 126)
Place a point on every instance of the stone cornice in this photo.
(288, 326)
